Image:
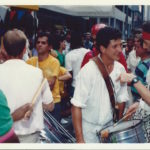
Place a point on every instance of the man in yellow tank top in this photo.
(50, 67)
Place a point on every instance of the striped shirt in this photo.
(141, 72)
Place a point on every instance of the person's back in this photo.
(74, 60)
(20, 89)
(20, 81)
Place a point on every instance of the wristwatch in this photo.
(134, 80)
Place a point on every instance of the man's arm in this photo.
(19, 113)
(142, 90)
(48, 107)
(52, 83)
(65, 77)
(77, 123)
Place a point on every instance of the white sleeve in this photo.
(122, 95)
(47, 94)
(82, 88)
(68, 64)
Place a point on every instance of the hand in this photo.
(132, 109)
(53, 53)
(28, 114)
(125, 77)
(19, 113)
(49, 107)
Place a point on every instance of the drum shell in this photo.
(134, 134)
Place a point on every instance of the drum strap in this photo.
(108, 83)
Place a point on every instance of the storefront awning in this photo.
(83, 11)
(30, 7)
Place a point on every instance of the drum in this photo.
(125, 132)
(54, 132)
(144, 115)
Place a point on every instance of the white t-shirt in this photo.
(92, 96)
(132, 61)
(67, 49)
(19, 82)
(73, 61)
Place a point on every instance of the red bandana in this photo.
(146, 36)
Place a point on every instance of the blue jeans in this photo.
(56, 113)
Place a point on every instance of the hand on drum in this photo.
(132, 109)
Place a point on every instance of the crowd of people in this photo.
(93, 73)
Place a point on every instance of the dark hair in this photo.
(68, 32)
(47, 34)
(146, 26)
(56, 41)
(130, 39)
(14, 42)
(76, 40)
(140, 39)
(105, 35)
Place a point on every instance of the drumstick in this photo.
(124, 117)
(35, 96)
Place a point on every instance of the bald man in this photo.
(20, 81)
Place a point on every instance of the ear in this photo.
(23, 52)
(4, 53)
(102, 49)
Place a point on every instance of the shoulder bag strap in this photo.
(108, 83)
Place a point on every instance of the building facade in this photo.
(118, 16)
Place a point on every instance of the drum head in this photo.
(123, 126)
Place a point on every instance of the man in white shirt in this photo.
(133, 59)
(67, 42)
(74, 58)
(20, 81)
(91, 110)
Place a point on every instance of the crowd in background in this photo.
(58, 57)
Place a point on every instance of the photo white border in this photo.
(75, 146)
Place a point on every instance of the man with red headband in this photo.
(95, 28)
(140, 87)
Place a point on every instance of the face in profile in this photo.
(113, 50)
(139, 50)
(62, 45)
(146, 44)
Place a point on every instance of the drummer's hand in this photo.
(132, 109)
(125, 77)
(19, 113)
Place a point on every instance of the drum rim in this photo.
(132, 127)
(140, 121)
